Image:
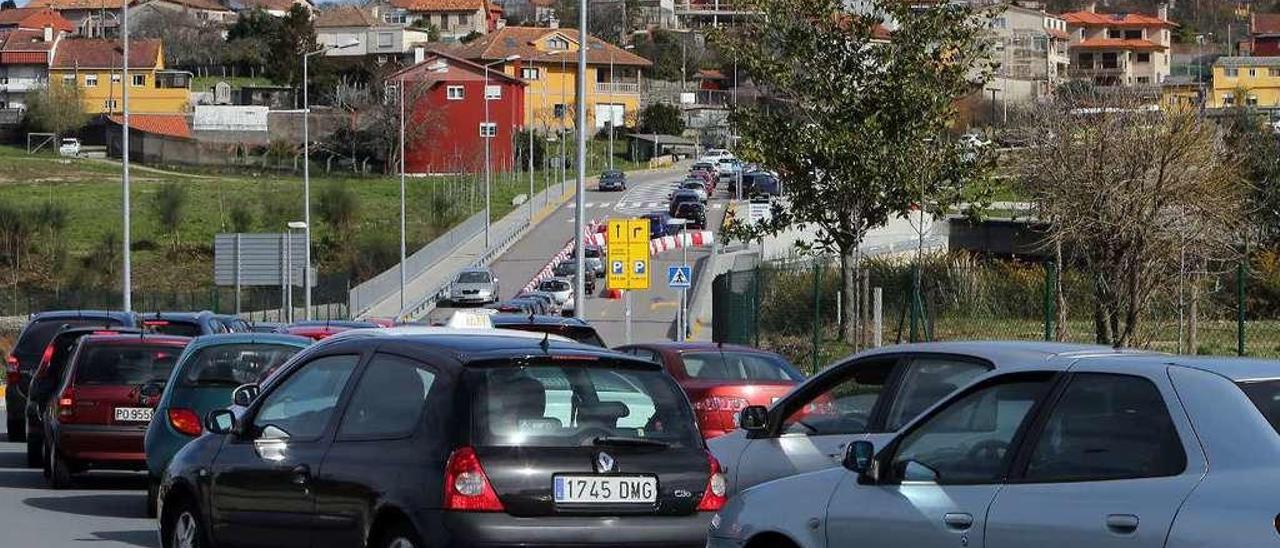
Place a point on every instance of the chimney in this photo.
(1091, 7)
(1162, 11)
(48, 33)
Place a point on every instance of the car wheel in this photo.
(184, 529)
(153, 492)
(400, 535)
(59, 472)
(35, 451)
(17, 429)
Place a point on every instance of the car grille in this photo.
(470, 291)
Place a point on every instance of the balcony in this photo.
(618, 88)
(714, 7)
(18, 85)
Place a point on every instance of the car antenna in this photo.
(546, 343)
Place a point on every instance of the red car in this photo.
(104, 402)
(709, 179)
(721, 380)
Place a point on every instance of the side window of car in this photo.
(645, 354)
(926, 381)
(388, 400)
(300, 407)
(846, 406)
(970, 439)
(1107, 427)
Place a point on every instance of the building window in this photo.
(394, 16)
(529, 73)
(1086, 60)
(384, 39)
(559, 110)
(999, 23)
(454, 93)
(557, 42)
(464, 19)
(1273, 72)
(1114, 34)
(115, 78)
(489, 129)
(1231, 72)
(109, 105)
(1110, 61)
(1251, 100)
(91, 80)
(1229, 101)
(1133, 34)
(1144, 57)
(1143, 80)
(68, 79)
(492, 92)
(139, 80)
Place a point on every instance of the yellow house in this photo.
(94, 65)
(1252, 81)
(1178, 93)
(548, 62)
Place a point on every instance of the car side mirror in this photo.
(245, 394)
(860, 458)
(754, 419)
(221, 422)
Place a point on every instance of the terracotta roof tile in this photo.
(101, 53)
(439, 5)
(1091, 19)
(35, 18)
(1264, 23)
(76, 4)
(24, 40)
(169, 125)
(1117, 43)
(345, 16)
(509, 41)
(419, 72)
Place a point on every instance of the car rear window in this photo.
(174, 327)
(584, 334)
(553, 285)
(738, 366)
(1265, 395)
(38, 334)
(549, 403)
(125, 364)
(234, 364)
(473, 278)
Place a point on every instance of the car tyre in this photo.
(153, 493)
(183, 528)
(400, 535)
(35, 451)
(17, 429)
(59, 471)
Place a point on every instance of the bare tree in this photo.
(1129, 192)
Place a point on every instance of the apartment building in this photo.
(1119, 49)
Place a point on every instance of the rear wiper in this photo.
(623, 441)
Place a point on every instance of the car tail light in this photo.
(185, 421)
(466, 487)
(721, 403)
(67, 405)
(13, 375)
(713, 498)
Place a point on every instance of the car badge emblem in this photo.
(604, 463)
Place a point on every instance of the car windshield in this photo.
(171, 327)
(1265, 395)
(612, 175)
(553, 285)
(738, 366)
(124, 364)
(569, 403)
(234, 364)
(38, 334)
(473, 278)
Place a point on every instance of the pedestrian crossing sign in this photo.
(679, 276)
(628, 254)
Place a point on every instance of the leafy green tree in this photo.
(170, 205)
(338, 207)
(661, 118)
(295, 37)
(56, 108)
(433, 32)
(857, 128)
(1256, 149)
(8, 5)
(673, 55)
(241, 217)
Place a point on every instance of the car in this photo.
(703, 166)
(713, 155)
(868, 396)
(754, 182)
(480, 439)
(184, 324)
(728, 168)
(721, 379)
(558, 288)
(233, 323)
(268, 327)
(382, 322)
(613, 179)
(46, 378)
(1104, 450)
(533, 304)
(548, 300)
(594, 259)
(107, 396)
(568, 270)
(474, 286)
(32, 342)
(322, 329)
(201, 381)
(658, 226)
(576, 329)
(513, 307)
(697, 186)
(681, 196)
(694, 213)
(69, 147)
(708, 178)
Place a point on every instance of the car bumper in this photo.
(476, 530)
(614, 186)
(471, 298)
(116, 447)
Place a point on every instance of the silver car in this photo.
(560, 290)
(1141, 451)
(867, 396)
(474, 286)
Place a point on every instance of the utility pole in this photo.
(580, 103)
(126, 273)
(401, 93)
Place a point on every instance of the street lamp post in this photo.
(580, 301)
(487, 138)
(682, 316)
(306, 167)
(288, 265)
(613, 83)
(126, 273)
(400, 93)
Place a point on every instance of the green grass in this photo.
(206, 83)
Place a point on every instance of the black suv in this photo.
(574, 328)
(32, 342)
(433, 438)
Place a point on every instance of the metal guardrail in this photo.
(381, 287)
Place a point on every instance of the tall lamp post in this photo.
(306, 168)
(613, 83)
(400, 92)
(487, 138)
(580, 100)
(126, 290)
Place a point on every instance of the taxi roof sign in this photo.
(467, 319)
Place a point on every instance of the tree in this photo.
(424, 25)
(339, 206)
(661, 118)
(188, 42)
(857, 128)
(170, 205)
(8, 5)
(1254, 144)
(1131, 195)
(56, 108)
(674, 55)
(295, 37)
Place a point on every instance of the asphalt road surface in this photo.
(653, 311)
(103, 510)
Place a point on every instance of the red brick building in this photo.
(446, 109)
(1264, 35)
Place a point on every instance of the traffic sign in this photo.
(628, 254)
(679, 276)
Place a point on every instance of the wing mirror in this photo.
(221, 422)
(754, 419)
(860, 458)
(245, 394)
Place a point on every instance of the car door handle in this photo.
(958, 520)
(1122, 523)
(301, 474)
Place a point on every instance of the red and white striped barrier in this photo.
(548, 271)
(689, 238)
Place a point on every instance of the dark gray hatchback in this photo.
(498, 438)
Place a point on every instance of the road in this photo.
(653, 311)
(105, 510)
